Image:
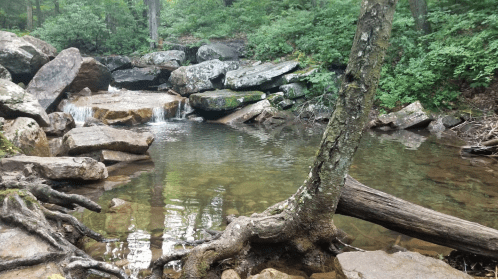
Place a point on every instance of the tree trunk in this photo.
(228, 3)
(39, 15)
(360, 201)
(57, 7)
(419, 13)
(153, 16)
(29, 8)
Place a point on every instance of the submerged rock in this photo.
(26, 134)
(224, 100)
(114, 63)
(112, 157)
(216, 51)
(60, 123)
(245, 114)
(45, 47)
(258, 75)
(92, 75)
(5, 74)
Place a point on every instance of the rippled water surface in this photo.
(202, 172)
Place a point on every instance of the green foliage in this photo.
(324, 87)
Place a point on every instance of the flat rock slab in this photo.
(224, 100)
(111, 157)
(129, 107)
(245, 114)
(172, 59)
(380, 265)
(257, 75)
(89, 139)
(45, 47)
(411, 116)
(58, 168)
(17, 244)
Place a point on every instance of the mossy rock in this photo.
(224, 100)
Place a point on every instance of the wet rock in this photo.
(55, 146)
(88, 139)
(54, 78)
(271, 273)
(16, 102)
(92, 121)
(114, 63)
(171, 59)
(216, 51)
(84, 92)
(224, 100)
(50, 270)
(200, 77)
(60, 123)
(325, 275)
(409, 139)
(113, 157)
(411, 116)
(21, 58)
(245, 114)
(45, 47)
(298, 76)
(92, 75)
(294, 90)
(272, 117)
(230, 274)
(26, 134)
(15, 243)
(4, 73)
(379, 264)
(58, 168)
(450, 121)
(258, 75)
(138, 78)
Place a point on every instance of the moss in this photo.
(6, 147)
(29, 199)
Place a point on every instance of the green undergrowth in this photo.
(6, 147)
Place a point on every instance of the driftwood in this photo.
(360, 201)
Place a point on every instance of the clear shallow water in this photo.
(202, 172)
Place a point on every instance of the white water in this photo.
(183, 110)
(79, 114)
(158, 115)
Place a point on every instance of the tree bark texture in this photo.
(419, 13)
(153, 16)
(29, 10)
(57, 7)
(360, 201)
(39, 15)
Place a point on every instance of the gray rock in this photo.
(200, 77)
(246, 113)
(409, 139)
(88, 139)
(230, 274)
(285, 104)
(294, 90)
(258, 75)
(379, 264)
(216, 51)
(21, 58)
(138, 78)
(92, 121)
(45, 47)
(26, 134)
(114, 63)
(16, 102)
(271, 273)
(60, 123)
(299, 75)
(170, 58)
(411, 116)
(84, 92)
(16, 243)
(112, 157)
(4, 73)
(92, 75)
(55, 146)
(436, 126)
(451, 121)
(54, 78)
(58, 168)
(189, 50)
(275, 98)
(224, 100)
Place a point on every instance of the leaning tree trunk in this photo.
(29, 15)
(304, 221)
(419, 13)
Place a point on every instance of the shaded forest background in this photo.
(438, 48)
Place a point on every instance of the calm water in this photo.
(202, 172)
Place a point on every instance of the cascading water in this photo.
(79, 114)
(183, 110)
(158, 115)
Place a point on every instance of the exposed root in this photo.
(158, 265)
(85, 264)
(45, 193)
(34, 260)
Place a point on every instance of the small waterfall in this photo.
(183, 110)
(158, 115)
(79, 114)
(112, 89)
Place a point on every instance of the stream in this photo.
(201, 172)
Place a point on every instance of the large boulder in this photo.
(259, 75)
(200, 77)
(21, 58)
(216, 51)
(5, 74)
(60, 123)
(246, 113)
(411, 116)
(58, 168)
(114, 63)
(380, 265)
(190, 50)
(28, 136)
(138, 78)
(171, 59)
(54, 78)
(294, 90)
(89, 139)
(92, 75)
(45, 47)
(15, 102)
(224, 100)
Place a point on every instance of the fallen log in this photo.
(360, 201)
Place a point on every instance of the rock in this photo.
(114, 63)
(294, 90)
(55, 146)
(379, 264)
(138, 78)
(15, 102)
(115, 202)
(299, 75)
(436, 126)
(21, 58)
(450, 121)
(88, 139)
(271, 273)
(45, 47)
(230, 274)
(60, 123)
(171, 59)
(189, 50)
(49, 271)
(285, 104)
(54, 78)
(258, 75)
(16, 243)
(275, 98)
(26, 134)
(200, 77)
(216, 51)
(411, 116)
(92, 75)
(164, 87)
(409, 139)
(130, 108)
(272, 117)
(92, 121)
(325, 275)
(4, 73)
(58, 168)
(84, 92)
(224, 100)
(112, 157)
(245, 114)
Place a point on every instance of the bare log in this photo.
(85, 264)
(360, 201)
